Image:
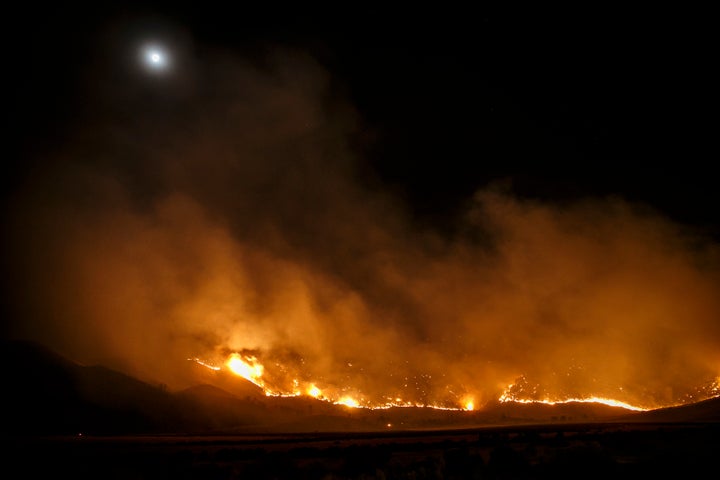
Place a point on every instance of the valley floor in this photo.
(617, 450)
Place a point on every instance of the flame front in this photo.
(348, 402)
(521, 391)
(246, 367)
(314, 391)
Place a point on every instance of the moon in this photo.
(155, 58)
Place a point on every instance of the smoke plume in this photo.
(228, 210)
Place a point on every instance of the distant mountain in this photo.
(45, 393)
(48, 394)
(217, 409)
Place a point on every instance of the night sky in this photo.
(354, 162)
(561, 103)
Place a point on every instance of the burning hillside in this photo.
(293, 383)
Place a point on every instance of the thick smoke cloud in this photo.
(226, 210)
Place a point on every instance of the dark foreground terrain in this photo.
(65, 420)
(610, 450)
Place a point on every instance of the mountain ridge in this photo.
(53, 395)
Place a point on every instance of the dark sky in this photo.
(459, 198)
(564, 103)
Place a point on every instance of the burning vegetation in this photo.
(522, 391)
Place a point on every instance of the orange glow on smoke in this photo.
(324, 286)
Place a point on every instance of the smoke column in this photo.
(223, 209)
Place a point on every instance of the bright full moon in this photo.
(155, 58)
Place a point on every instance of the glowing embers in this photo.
(281, 382)
(523, 392)
(606, 401)
(205, 364)
(348, 402)
(286, 377)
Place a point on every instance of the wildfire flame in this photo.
(250, 368)
(348, 402)
(507, 397)
(314, 391)
(246, 367)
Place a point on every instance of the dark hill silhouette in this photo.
(206, 391)
(703, 411)
(571, 412)
(215, 409)
(45, 393)
(49, 394)
(41, 395)
(231, 383)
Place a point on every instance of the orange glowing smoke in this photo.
(254, 231)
